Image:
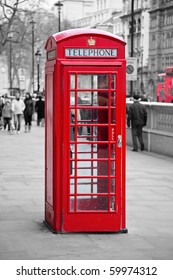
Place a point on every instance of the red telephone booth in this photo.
(85, 132)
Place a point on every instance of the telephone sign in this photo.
(73, 52)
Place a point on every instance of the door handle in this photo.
(119, 141)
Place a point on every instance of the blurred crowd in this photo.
(14, 109)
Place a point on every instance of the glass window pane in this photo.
(102, 185)
(94, 98)
(80, 101)
(92, 114)
(89, 81)
(85, 81)
(102, 116)
(94, 168)
(113, 151)
(112, 168)
(72, 186)
(113, 115)
(92, 204)
(86, 185)
(103, 98)
(95, 150)
(72, 98)
(87, 97)
(75, 116)
(102, 168)
(86, 168)
(112, 203)
(72, 81)
(113, 185)
(72, 202)
(102, 150)
(85, 131)
(84, 98)
(113, 99)
(87, 151)
(113, 81)
(102, 133)
(86, 114)
(103, 81)
(71, 163)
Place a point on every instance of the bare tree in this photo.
(16, 33)
(9, 16)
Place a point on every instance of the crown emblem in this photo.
(91, 41)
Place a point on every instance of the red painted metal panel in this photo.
(92, 63)
(75, 33)
(49, 137)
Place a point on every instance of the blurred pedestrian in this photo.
(137, 118)
(7, 115)
(28, 112)
(6, 98)
(39, 108)
(18, 107)
(1, 106)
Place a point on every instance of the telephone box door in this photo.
(92, 149)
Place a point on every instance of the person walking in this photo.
(18, 107)
(1, 107)
(7, 115)
(39, 108)
(28, 112)
(137, 118)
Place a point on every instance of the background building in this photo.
(140, 40)
(99, 14)
(161, 40)
(75, 9)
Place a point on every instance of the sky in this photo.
(118, 2)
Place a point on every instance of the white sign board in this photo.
(131, 69)
(91, 52)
